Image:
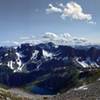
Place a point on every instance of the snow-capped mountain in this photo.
(47, 65)
(27, 57)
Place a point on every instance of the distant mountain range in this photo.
(27, 57)
(47, 63)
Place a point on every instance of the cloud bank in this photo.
(58, 39)
(64, 39)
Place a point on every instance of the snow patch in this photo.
(18, 59)
(47, 54)
(6, 54)
(19, 62)
(18, 54)
(82, 63)
(0, 63)
(98, 79)
(34, 55)
(84, 87)
(10, 64)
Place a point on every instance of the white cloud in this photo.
(61, 5)
(58, 39)
(72, 10)
(92, 22)
(66, 35)
(53, 37)
(29, 39)
(15, 43)
(63, 39)
(75, 11)
(9, 43)
(52, 9)
(50, 36)
(79, 40)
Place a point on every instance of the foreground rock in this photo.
(16, 94)
(89, 92)
(85, 92)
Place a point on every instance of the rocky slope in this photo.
(85, 92)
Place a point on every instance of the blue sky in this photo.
(19, 18)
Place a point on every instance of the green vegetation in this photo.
(73, 79)
(88, 78)
(92, 76)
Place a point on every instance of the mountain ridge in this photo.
(39, 67)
